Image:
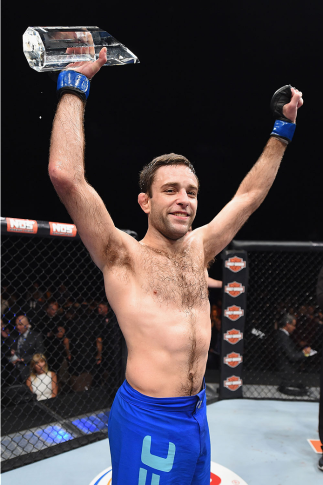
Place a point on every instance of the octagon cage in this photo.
(55, 317)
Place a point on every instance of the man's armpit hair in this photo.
(210, 263)
(117, 255)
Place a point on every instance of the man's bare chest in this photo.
(174, 279)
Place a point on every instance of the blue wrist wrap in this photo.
(73, 82)
(284, 130)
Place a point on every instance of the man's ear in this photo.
(144, 202)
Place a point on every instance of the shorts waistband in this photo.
(181, 403)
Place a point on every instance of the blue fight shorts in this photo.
(159, 441)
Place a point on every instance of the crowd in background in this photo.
(54, 343)
(74, 344)
(262, 329)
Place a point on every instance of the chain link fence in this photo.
(62, 349)
(63, 354)
(283, 322)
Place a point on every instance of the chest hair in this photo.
(175, 278)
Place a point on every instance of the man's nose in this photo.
(183, 198)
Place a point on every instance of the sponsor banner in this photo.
(235, 264)
(44, 228)
(234, 299)
(233, 336)
(233, 359)
(234, 289)
(234, 312)
(25, 226)
(233, 383)
(219, 475)
(60, 229)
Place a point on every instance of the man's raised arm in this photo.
(255, 186)
(66, 167)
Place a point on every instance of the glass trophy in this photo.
(54, 48)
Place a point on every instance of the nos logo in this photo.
(21, 225)
(59, 229)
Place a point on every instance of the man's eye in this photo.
(170, 190)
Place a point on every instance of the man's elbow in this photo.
(60, 178)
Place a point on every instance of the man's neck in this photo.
(24, 335)
(156, 240)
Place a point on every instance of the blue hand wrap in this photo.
(74, 83)
(284, 130)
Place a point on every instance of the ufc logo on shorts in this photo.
(154, 461)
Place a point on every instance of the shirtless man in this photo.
(157, 427)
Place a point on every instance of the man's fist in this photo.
(285, 103)
(290, 109)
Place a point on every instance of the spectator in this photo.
(68, 304)
(35, 293)
(305, 331)
(4, 305)
(28, 343)
(50, 320)
(68, 320)
(6, 346)
(102, 325)
(34, 303)
(108, 344)
(103, 309)
(62, 295)
(216, 338)
(41, 381)
(56, 348)
(61, 334)
(288, 355)
(82, 338)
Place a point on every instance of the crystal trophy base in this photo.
(54, 48)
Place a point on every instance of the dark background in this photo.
(202, 89)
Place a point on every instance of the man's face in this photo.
(290, 327)
(52, 309)
(60, 332)
(22, 324)
(173, 203)
(102, 309)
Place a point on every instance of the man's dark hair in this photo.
(147, 174)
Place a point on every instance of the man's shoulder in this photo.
(281, 335)
(33, 334)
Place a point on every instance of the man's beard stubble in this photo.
(166, 228)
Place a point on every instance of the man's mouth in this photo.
(180, 214)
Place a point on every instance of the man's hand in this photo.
(88, 68)
(290, 109)
(307, 351)
(16, 361)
